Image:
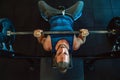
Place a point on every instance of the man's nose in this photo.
(63, 51)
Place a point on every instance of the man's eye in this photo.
(65, 53)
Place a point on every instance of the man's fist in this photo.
(37, 33)
(84, 32)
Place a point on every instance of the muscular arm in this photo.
(45, 41)
(79, 40)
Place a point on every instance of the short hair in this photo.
(62, 66)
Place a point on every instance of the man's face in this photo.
(62, 54)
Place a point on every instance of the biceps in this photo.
(77, 43)
(46, 47)
(47, 44)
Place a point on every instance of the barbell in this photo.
(9, 33)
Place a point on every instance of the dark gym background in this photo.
(26, 17)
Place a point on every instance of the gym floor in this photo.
(26, 17)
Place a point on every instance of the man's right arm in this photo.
(45, 41)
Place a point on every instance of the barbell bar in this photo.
(9, 33)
